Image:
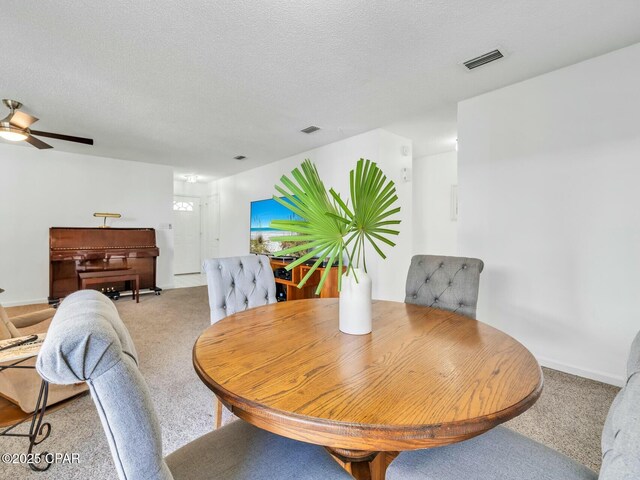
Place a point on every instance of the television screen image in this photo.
(263, 212)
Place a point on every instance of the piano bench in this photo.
(87, 279)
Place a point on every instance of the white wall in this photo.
(434, 230)
(549, 199)
(42, 189)
(182, 188)
(334, 162)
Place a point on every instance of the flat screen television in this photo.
(263, 212)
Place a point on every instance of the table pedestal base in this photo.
(363, 465)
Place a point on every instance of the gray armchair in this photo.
(88, 342)
(235, 284)
(448, 283)
(238, 283)
(506, 455)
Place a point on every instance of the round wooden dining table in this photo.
(422, 378)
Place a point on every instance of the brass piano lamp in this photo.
(105, 216)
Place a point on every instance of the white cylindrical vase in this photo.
(355, 303)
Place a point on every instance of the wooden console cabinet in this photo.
(329, 289)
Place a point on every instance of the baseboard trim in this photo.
(616, 380)
(35, 301)
(20, 303)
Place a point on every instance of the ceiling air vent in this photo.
(310, 129)
(483, 59)
(239, 157)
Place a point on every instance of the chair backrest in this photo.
(621, 433)
(238, 283)
(448, 283)
(87, 341)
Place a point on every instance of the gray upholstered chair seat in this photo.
(240, 450)
(500, 454)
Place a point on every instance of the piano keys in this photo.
(76, 250)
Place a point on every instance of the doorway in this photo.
(186, 235)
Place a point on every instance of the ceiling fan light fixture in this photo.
(16, 127)
(13, 134)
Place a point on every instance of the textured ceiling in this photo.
(193, 84)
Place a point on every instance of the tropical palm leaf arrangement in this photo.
(332, 228)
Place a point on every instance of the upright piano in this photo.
(76, 250)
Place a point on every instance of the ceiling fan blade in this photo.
(37, 143)
(58, 136)
(21, 120)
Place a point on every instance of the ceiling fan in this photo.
(15, 127)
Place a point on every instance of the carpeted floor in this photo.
(568, 417)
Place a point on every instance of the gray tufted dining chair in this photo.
(87, 342)
(448, 283)
(504, 454)
(235, 284)
(238, 283)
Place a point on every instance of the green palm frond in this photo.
(330, 229)
(372, 197)
(320, 233)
